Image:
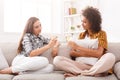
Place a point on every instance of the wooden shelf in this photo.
(73, 32)
(71, 19)
(70, 0)
(72, 15)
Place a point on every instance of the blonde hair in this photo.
(28, 29)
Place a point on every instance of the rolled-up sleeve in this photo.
(102, 38)
(45, 40)
(27, 45)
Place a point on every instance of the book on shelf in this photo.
(72, 11)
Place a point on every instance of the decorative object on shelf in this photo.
(78, 26)
(72, 28)
(72, 11)
(68, 37)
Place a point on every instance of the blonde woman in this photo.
(30, 48)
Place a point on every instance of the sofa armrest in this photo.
(117, 69)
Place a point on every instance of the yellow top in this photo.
(101, 35)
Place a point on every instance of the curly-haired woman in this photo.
(91, 22)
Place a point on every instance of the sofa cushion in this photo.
(110, 77)
(64, 50)
(115, 49)
(3, 61)
(50, 76)
(6, 77)
(87, 43)
(117, 69)
(10, 50)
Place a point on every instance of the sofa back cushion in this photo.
(64, 50)
(115, 49)
(9, 50)
(3, 61)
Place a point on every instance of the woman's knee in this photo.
(41, 61)
(57, 59)
(45, 60)
(110, 57)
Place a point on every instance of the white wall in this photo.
(111, 23)
(14, 37)
(6, 37)
(1, 15)
(111, 19)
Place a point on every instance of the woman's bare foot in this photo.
(69, 75)
(55, 49)
(6, 71)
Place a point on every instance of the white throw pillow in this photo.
(87, 43)
(3, 61)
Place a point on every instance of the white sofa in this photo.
(9, 50)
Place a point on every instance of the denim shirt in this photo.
(31, 42)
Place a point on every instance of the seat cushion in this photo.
(50, 76)
(117, 69)
(6, 77)
(110, 77)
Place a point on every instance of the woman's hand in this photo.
(55, 49)
(52, 42)
(75, 53)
